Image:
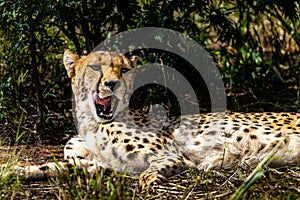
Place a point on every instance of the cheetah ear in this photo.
(70, 59)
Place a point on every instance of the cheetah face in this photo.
(103, 98)
(112, 87)
(94, 80)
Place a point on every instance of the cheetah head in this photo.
(94, 80)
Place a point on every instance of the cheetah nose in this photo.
(110, 84)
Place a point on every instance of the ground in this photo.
(191, 184)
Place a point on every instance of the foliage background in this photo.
(254, 43)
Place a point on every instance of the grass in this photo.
(255, 174)
(281, 183)
(9, 182)
(79, 184)
(235, 183)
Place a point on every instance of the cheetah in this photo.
(113, 137)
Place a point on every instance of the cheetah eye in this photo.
(95, 67)
(124, 70)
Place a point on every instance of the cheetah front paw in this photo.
(148, 178)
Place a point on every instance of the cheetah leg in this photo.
(162, 167)
(80, 155)
(75, 154)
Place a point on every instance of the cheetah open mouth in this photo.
(103, 106)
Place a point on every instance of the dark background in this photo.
(255, 44)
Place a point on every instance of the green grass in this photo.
(9, 182)
(260, 183)
(282, 183)
(79, 184)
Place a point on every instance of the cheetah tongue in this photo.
(105, 102)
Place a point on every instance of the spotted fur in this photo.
(134, 142)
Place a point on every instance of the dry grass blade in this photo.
(256, 173)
